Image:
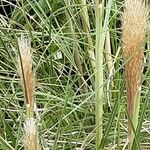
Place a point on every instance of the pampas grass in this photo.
(27, 80)
(134, 23)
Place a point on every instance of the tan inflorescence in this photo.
(135, 18)
(31, 141)
(28, 79)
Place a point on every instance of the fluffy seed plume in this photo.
(31, 136)
(135, 18)
(25, 71)
(27, 79)
(134, 23)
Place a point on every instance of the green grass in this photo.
(63, 35)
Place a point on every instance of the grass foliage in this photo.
(63, 37)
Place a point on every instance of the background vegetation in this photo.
(63, 39)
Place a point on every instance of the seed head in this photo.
(25, 70)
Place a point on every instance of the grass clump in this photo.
(78, 99)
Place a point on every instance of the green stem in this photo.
(29, 112)
(134, 119)
(100, 39)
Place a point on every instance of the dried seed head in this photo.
(135, 18)
(25, 70)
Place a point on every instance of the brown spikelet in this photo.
(135, 17)
(25, 71)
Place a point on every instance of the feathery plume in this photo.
(31, 135)
(25, 72)
(27, 79)
(135, 18)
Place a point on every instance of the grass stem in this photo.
(99, 73)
